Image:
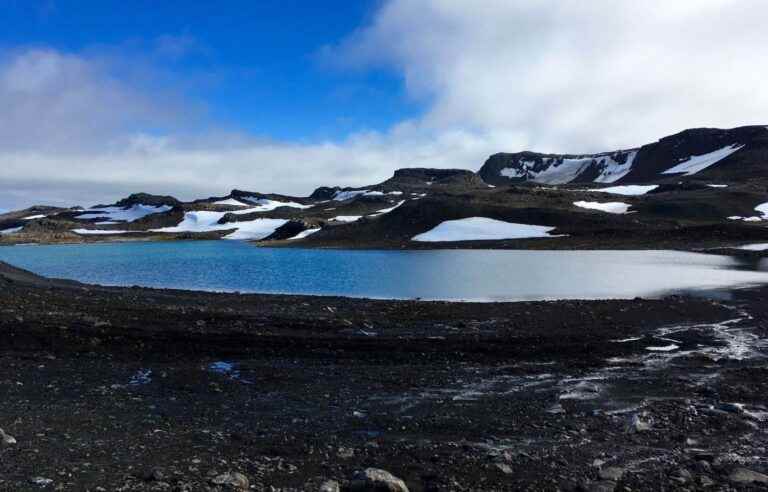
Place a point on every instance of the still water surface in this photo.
(481, 275)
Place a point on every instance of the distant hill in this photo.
(734, 155)
(696, 189)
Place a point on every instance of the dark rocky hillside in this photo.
(700, 188)
(644, 165)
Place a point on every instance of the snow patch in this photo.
(128, 214)
(255, 229)
(347, 218)
(482, 228)
(762, 208)
(96, 232)
(696, 163)
(608, 207)
(717, 186)
(387, 210)
(342, 196)
(267, 205)
(205, 221)
(305, 233)
(665, 348)
(512, 173)
(33, 217)
(613, 170)
(233, 202)
(627, 190)
(12, 230)
(754, 247)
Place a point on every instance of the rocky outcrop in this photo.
(147, 199)
(324, 193)
(288, 230)
(426, 177)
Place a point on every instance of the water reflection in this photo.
(440, 274)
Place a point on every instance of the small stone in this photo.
(504, 468)
(705, 481)
(731, 407)
(233, 481)
(743, 475)
(375, 480)
(681, 476)
(155, 475)
(330, 486)
(6, 439)
(613, 473)
(640, 423)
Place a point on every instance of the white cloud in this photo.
(58, 101)
(574, 76)
(496, 75)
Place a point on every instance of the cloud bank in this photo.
(496, 75)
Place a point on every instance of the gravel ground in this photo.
(139, 389)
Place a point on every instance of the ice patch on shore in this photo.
(482, 229)
(696, 163)
(627, 190)
(120, 214)
(607, 207)
(12, 230)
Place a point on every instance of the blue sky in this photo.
(253, 65)
(193, 98)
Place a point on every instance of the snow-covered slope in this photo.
(734, 154)
(562, 169)
(124, 214)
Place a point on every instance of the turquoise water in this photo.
(481, 275)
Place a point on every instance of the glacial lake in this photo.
(477, 275)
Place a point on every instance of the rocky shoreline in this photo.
(141, 389)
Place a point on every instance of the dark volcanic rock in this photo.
(288, 230)
(655, 158)
(324, 193)
(147, 199)
(424, 177)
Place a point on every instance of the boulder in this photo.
(6, 439)
(376, 480)
(744, 475)
(232, 481)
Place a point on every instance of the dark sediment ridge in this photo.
(142, 389)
